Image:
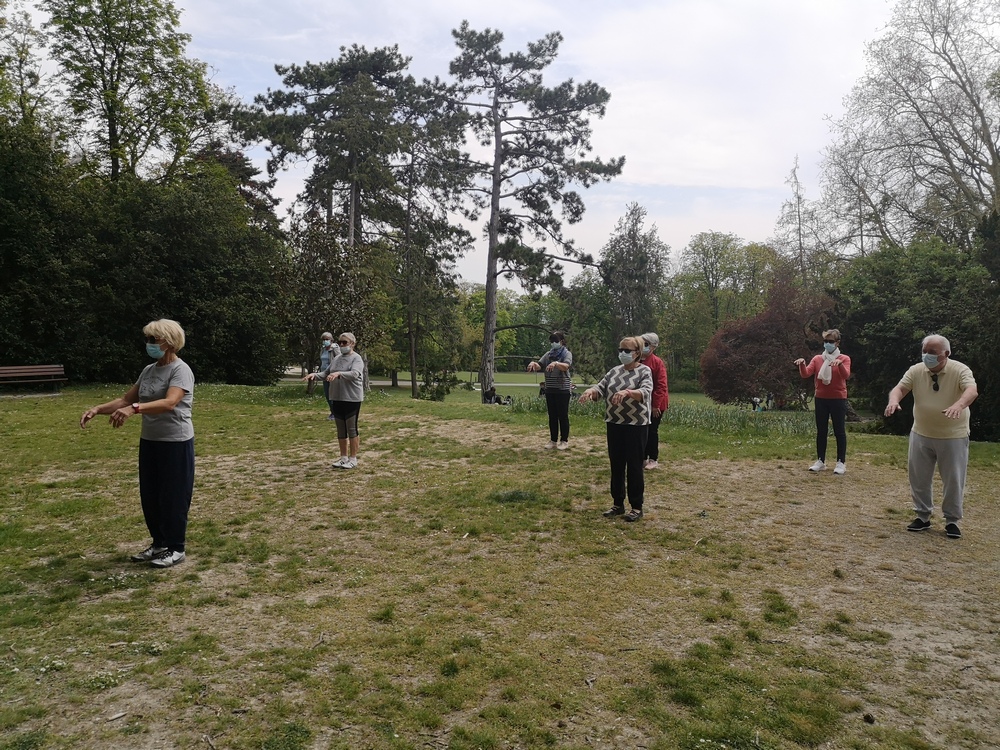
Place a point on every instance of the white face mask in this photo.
(626, 357)
(345, 350)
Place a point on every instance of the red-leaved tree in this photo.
(753, 357)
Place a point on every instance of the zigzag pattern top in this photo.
(629, 411)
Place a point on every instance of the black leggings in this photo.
(626, 448)
(558, 406)
(827, 409)
(345, 415)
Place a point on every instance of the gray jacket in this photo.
(349, 385)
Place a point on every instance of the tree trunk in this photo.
(487, 365)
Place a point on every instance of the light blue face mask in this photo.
(829, 347)
(930, 361)
(555, 346)
(154, 351)
(345, 350)
(625, 358)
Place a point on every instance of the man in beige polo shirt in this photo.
(942, 391)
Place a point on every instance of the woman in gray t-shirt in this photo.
(163, 395)
(345, 375)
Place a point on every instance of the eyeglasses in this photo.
(828, 341)
(344, 343)
(630, 351)
(935, 385)
(151, 339)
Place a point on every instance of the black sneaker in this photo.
(918, 524)
(615, 510)
(634, 515)
(953, 531)
(148, 554)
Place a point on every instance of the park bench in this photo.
(25, 374)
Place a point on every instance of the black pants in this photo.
(653, 439)
(166, 484)
(558, 406)
(326, 394)
(626, 448)
(827, 409)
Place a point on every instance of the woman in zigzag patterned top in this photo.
(627, 390)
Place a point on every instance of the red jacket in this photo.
(661, 399)
(838, 377)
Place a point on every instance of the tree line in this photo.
(126, 194)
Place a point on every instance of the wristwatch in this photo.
(135, 407)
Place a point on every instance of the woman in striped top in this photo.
(627, 389)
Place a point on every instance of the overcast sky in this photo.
(711, 100)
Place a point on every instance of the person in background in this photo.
(943, 389)
(558, 388)
(831, 370)
(661, 398)
(163, 395)
(326, 353)
(345, 374)
(627, 389)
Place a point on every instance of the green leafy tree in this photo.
(588, 316)
(537, 141)
(428, 242)
(340, 116)
(634, 264)
(890, 299)
(135, 98)
(24, 96)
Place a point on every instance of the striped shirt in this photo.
(557, 381)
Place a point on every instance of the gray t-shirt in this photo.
(172, 426)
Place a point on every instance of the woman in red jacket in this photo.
(660, 398)
(831, 370)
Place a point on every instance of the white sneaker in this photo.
(351, 463)
(651, 464)
(818, 466)
(340, 463)
(840, 469)
(563, 445)
(550, 445)
(167, 558)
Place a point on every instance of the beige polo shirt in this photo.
(929, 405)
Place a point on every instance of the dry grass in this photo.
(461, 590)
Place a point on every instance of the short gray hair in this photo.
(349, 336)
(936, 337)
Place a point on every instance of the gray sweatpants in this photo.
(952, 459)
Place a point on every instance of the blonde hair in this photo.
(833, 333)
(167, 330)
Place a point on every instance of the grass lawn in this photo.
(461, 590)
